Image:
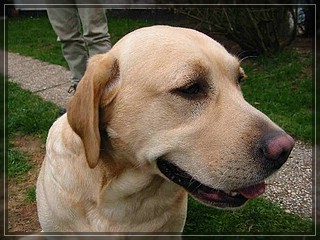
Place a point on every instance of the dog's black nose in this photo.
(276, 148)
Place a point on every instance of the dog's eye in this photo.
(241, 78)
(191, 91)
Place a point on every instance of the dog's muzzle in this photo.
(205, 194)
(274, 149)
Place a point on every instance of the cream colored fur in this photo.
(100, 173)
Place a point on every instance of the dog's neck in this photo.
(133, 195)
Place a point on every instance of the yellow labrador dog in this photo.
(159, 116)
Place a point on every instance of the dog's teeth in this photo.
(233, 194)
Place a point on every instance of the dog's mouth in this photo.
(208, 195)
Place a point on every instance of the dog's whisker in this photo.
(200, 184)
(192, 180)
(222, 179)
(246, 57)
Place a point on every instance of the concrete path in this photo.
(47, 80)
(291, 187)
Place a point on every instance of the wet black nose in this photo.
(276, 148)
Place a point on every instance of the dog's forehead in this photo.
(164, 50)
(167, 41)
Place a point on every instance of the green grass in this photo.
(31, 195)
(28, 113)
(282, 88)
(34, 37)
(17, 162)
(40, 41)
(258, 216)
(279, 86)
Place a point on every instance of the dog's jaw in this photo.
(207, 195)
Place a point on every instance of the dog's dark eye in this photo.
(241, 79)
(191, 91)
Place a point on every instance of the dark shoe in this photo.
(62, 111)
(72, 88)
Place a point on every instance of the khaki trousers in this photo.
(83, 32)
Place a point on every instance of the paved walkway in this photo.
(47, 80)
(291, 187)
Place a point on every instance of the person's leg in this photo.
(95, 29)
(67, 26)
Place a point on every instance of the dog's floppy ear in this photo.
(83, 108)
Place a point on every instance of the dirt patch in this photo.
(22, 213)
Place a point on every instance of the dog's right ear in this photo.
(83, 108)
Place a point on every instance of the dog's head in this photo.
(170, 98)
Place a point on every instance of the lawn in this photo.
(280, 86)
(43, 44)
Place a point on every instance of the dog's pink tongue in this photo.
(253, 191)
